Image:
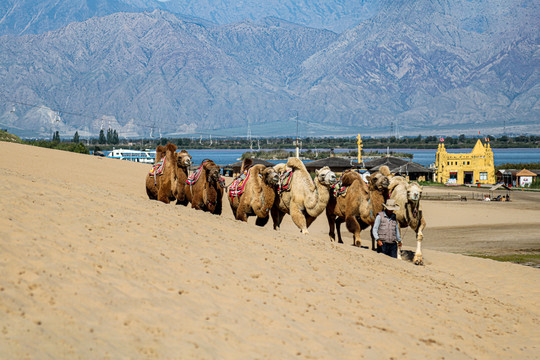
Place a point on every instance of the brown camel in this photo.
(306, 199)
(258, 195)
(206, 193)
(410, 214)
(160, 187)
(360, 205)
(182, 165)
(151, 183)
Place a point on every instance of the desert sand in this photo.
(92, 269)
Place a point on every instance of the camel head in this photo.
(378, 182)
(414, 192)
(281, 168)
(184, 159)
(212, 171)
(270, 176)
(326, 176)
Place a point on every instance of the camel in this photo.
(360, 205)
(182, 165)
(258, 196)
(151, 183)
(161, 187)
(306, 199)
(407, 196)
(206, 193)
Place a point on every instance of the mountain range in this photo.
(151, 68)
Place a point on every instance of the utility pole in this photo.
(297, 139)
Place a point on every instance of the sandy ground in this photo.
(93, 269)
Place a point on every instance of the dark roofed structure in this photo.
(405, 168)
(234, 168)
(390, 161)
(336, 164)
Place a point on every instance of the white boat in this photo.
(146, 156)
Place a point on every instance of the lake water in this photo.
(423, 157)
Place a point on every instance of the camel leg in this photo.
(163, 196)
(399, 248)
(277, 217)
(331, 226)
(354, 227)
(241, 212)
(330, 208)
(299, 219)
(419, 237)
(373, 245)
(339, 221)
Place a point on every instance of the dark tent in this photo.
(234, 168)
(397, 166)
(336, 164)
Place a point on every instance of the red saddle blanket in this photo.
(157, 168)
(192, 179)
(238, 185)
(285, 181)
(339, 189)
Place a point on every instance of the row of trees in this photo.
(111, 137)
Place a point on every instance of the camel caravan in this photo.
(288, 188)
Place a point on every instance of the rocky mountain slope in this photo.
(420, 66)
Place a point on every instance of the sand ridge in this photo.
(93, 269)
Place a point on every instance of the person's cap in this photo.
(391, 205)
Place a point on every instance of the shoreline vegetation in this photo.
(111, 140)
(279, 148)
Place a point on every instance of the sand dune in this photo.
(93, 269)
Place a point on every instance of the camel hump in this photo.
(385, 170)
(246, 164)
(171, 147)
(349, 177)
(256, 170)
(296, 163)
(397, 181)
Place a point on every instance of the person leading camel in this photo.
(386, 229)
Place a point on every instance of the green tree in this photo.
(102, 139)
(109, 136)
(76, 137)
(114, 139)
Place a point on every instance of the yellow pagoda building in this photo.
(476, 167)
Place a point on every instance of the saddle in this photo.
(192, 179)
(339, 189)
(238, 185)
(285, 181)
(157, 168)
